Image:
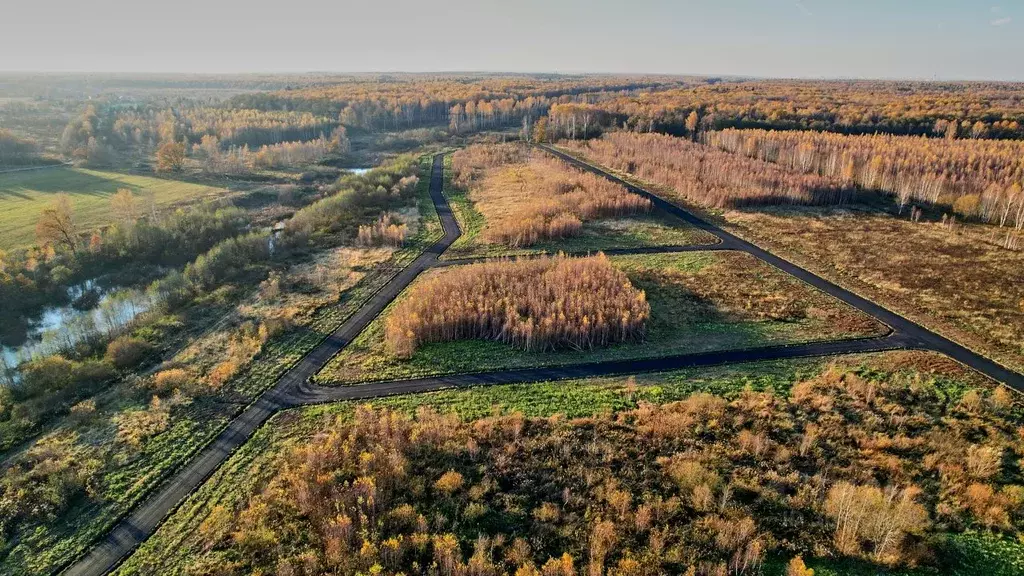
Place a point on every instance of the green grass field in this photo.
(23, 196)
(180, 542)
(699, 301)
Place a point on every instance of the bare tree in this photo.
(57, 225)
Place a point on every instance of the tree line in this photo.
(213, 158)
(708, 176)
(103, 133)
(982, 179)
(959, 109)
(464, 104)
(16, 151)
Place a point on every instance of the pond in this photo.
(359, 171)
(61, 327)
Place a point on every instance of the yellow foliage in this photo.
(538, 304)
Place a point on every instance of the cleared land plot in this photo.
(495, 198)
(699, 302)
(950, 280)
(24, 195)
(200, 537)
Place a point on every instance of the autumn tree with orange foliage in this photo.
(386, 231)
(465, 103)
(540, 304)
(968, 109)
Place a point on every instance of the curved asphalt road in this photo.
(295, 387)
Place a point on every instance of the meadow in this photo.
(24, 195)
(199, 536)
(698, 301)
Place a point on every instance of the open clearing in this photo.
(970, 289)
(1001, 555)
(699, 302)
(23, 196)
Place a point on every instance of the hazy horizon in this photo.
(800, 39)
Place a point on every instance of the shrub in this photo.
(135, 426)
(867, 514)
(48, 374)
(796, 567)
(83, 411)
(449, 483)
(171, 379)
(55, 374)
(45, 480)
(385, 231)
(223, 372)
(126, 352)
(536, 305)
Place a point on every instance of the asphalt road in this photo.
(295, 387)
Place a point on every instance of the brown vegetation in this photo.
(978, 178)
(385, 232)
(465, 103)
(707, 176)
(526, 199)
(951, 279)
(126, 352)
(958, 278)
(540, 304)
(680, 488)
(56, 225)
(239, 159)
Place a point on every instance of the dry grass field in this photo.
(953, 281)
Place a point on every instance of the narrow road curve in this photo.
(295, 388)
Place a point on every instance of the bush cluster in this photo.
(541, 304)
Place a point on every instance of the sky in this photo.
(919, 39)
